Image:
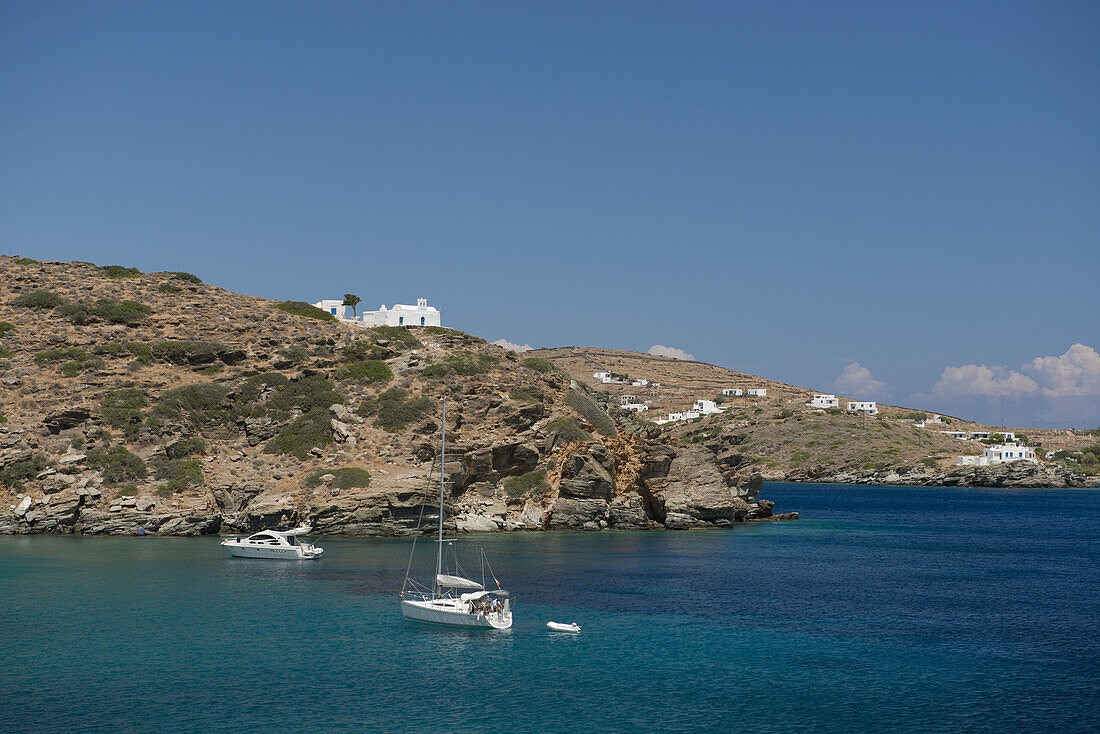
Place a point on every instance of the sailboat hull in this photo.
(453, 613)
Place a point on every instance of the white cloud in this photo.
(512, 347)
(978, 379)
(660, 350)
(1074, 374)
(856, 381)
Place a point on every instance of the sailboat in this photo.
(452, 599)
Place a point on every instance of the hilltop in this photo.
(153, 402)
(781, 437)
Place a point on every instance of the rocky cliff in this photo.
(152, 402)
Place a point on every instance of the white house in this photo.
(961, 435)
(334, 307)
(673, 417)
(757, 392)
(625, 400)
(870, 406)
(707, 407)
(822, 401)
(733, 392)
(635, 407)
(604, 377)
(400, 315)
(639, 383)
(994, 455)
(978, 435)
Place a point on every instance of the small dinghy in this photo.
(562, 627)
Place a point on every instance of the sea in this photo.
(883, 609)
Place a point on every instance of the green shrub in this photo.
(185, 447)
(126, 489)
(397, 334)
(435, 371)
(121, 312)
(568, 429)
(537, 364)
(5, 328)
(591, 412)
(462, 363)
(4, 353)
(346, 478)
(13, 475)
(142, 352)
(533, 482)
(119, 271)
(301, 308)
(73, 360)
(40, 300)
(169, 289)
(3, 418)
(78, 313)
(123, 409)
(304, 433)
(359, 351)
(295, 354)
(929, 462)
(117, 464)
(368, 371)
(452, 333)
(26, 261)
(187, 352)
(187, 277)
(202, 403)
(110, 350)
(307, 394)
(180, 474)
(393, 410)
(522, 396)
(210, 370)
(251, 388)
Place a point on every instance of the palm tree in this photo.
(350, 299)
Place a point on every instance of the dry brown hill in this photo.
(153, 402)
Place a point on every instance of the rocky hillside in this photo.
(782, 438)
(152, 402)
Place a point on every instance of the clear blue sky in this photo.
(784, 188)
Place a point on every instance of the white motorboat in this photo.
(453, 600)
(563, 627)
(274, 545)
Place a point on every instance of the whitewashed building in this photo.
(707, 407)
(757, 392)
(1003, 454)
(635, 407)
(733, 392)
(400, 315)
(869, 407)
(604, 377)
(625, 400)
(961, 435)
(334, 307)
(673, 417)
(641, 382)
(824, 401)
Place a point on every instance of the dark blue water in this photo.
(911, 610)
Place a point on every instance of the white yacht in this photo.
(452, 599)
(274, 544)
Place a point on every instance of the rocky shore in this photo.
(1019, 475)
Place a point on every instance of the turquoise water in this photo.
(911, 610)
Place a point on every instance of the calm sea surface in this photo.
(909, 610)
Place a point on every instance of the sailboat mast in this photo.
(442, 470)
